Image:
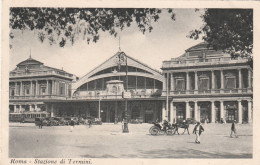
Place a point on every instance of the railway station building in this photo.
(207, 85)
(99, 92)
(31, 83)
(202, 84)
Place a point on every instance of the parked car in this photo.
(75, 119)
(82, 120)
(60, 120)
(95, 121)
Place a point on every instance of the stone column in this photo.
(249, 102)
(36, 88)
(212, 79)
(15, 110)
(187, 81)
(172, 82)
(52, 87)
(47, 87)
(196, 110)
(163, 111)
(213, 115)
(30, 107)
(164, 82)
(35, 107)
(57, 88)
(222, 115)
(15, 89)
(172, 115)
(222, 79)
(187, 110)
(196, 81)
(240, 116)
(249, 78)
(20, 108)
(239, 79)
(66, 89)
(31, 89)
(21, 88)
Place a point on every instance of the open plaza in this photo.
(107, 141)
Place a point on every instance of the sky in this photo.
(167, 40)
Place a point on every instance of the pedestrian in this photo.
(198, 129)
(233, 129)
(185, 125)
(72, 125)
(89, 123)
(40, 124)
(176, 127)
(123, 122)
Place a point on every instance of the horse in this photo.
(176, 126)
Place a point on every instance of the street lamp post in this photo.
(99, 107)
(99, 100)
(121, 58)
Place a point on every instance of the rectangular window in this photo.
(43, 90)
(180, 85)
(27, 91)
(230, 83)
(61, 90)
(203, 84)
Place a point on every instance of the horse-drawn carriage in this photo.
(169, 129)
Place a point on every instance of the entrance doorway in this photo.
(180, 112)
(205, 112)
(231, 112)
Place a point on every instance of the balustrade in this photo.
(177, 62)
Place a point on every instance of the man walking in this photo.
(198, 129)
(72, 125)
(233, 129)
(40, 123)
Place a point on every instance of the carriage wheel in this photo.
(154, 130)
(169, 132)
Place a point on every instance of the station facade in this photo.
(207, 85)
(202, 84)
(99, 93)
(31, 83)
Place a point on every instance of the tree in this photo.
(230, 30)
(60, 25)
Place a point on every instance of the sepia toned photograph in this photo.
(146, 83)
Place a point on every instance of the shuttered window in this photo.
(203, 84)
(230, 83)
(180, 85)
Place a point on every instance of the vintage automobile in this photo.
(60, 121)
(82, 120)
(75, 119)
(51, 121)
(94, 121)
(97, 121)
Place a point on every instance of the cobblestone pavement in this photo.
(108, 141)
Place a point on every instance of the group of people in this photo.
(198, 129)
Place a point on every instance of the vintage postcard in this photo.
(131, 82)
